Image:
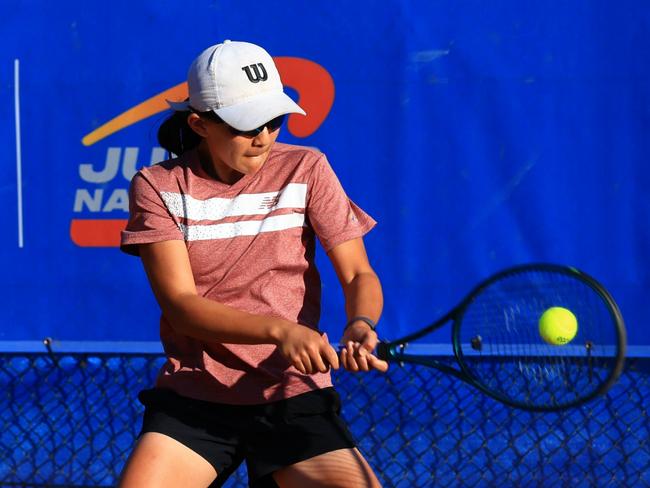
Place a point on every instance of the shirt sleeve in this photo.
(149, 218)
(333, 216)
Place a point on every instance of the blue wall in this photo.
(479, 134)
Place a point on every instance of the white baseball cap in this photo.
(240, 83)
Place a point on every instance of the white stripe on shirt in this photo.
(181, 205)
(243, 228)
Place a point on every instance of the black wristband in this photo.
(361, 318)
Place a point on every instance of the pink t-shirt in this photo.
(251, 246)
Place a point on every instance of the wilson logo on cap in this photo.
(256, 76)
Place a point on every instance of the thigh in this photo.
(183, 442)
(344, 468)
(294, 430)
(160, 461)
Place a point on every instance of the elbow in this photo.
(363, 280)
(366, 275)
(178, 311)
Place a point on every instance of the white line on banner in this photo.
(19, 169)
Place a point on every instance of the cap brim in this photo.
(258, 110)
(179, 106)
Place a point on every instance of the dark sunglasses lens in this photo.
(271, 125)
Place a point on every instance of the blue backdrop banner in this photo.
(480, 135)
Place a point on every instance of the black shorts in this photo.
(268, 437)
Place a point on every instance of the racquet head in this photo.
(502, 348)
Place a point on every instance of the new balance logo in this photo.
(269, 202)
(255, 72)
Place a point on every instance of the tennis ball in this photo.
(558, 326)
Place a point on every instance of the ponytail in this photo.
(175, 134)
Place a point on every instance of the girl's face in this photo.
(232, 155)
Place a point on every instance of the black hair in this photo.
(176, 136)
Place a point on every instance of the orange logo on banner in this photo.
(315, 89)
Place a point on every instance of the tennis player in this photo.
(226, 233)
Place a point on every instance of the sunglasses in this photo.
(272, 125)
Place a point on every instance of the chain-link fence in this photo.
(71, 419)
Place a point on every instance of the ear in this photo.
(197, 124)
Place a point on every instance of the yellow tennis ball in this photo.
(558, 326)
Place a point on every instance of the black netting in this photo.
(71, 420)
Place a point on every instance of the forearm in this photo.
(363, 296)
(363, 299)
(208, 320)
(172, 282)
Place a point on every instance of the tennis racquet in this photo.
(498, 348)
